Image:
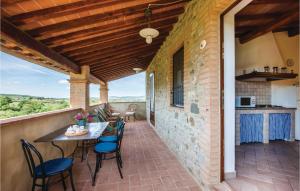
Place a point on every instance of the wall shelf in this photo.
(265, 76)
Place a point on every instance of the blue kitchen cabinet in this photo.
(279, 126)
(251, 128)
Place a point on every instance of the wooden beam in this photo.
(118, 54)
(293, 32)
(93, 19)
(262, 2)
(119, 75)
(120, 67)
(114, 74)
(119, 49)
(117, 24)
(108, 37)
(63, 10)
(11, 2)
(97, 67)
(123, 61)
(128, 55)
(11, 32)
(257, 17)
(112, 34)
(108, 44)
(283, 20)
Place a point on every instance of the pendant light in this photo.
(148, 33)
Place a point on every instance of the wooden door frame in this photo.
(222, 172)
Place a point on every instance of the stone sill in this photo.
(128, 102)
(23, 118)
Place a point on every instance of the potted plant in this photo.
(82, 119)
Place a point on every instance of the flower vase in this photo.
(81, 123)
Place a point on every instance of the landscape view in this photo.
(12, 105)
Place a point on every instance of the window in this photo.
(178, 93)
(94, 94)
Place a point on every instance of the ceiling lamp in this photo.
(137, 70)
(148, 33)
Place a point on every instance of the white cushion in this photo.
(130, 113)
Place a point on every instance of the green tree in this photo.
(4, 102)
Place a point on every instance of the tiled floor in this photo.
(266, 167)
(148, 166)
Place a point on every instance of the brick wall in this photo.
(192, 132)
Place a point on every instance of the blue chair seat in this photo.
(55, 166)
(106, 147)
(111, 138)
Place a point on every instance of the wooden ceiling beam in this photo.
(117, 73)
(118, 50)
(108, 44)
(293, 32)
(263, 2)
(139, 54)
(62, 10)
(117, 24)
(283, 20)
(257, 17)
(93, 19)
(11, 32)
(107, 38)
(117, 54)
(122, 60)
(11, 2)
(120, 67)
(113, 34)
(96, 67)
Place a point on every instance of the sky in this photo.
(18, 76)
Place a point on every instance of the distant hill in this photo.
(126, 99)
(111, 98)
(19, 96)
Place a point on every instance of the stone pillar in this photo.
(103, 93)
(79, 89)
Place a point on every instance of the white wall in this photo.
(229, 89)
(283, 95)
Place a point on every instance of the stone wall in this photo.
(193, 132)
(14, 169)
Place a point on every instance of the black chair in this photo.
(104, 148)
(46, 169)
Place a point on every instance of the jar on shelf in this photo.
(275, 69)
(283, 70)
(267, 69)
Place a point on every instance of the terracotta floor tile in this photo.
(264, 167)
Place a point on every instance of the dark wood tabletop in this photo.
(95, 131)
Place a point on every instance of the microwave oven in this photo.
(245, 101)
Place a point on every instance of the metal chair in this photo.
(46, 169)
(131, 112)
(103, 148)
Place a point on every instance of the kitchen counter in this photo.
(264, 108)
(266, 111)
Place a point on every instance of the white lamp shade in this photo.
(149, 34)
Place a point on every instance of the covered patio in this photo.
(180, 142)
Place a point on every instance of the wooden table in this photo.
(95, 131)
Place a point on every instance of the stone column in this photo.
(103, 93)
(79, 89)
